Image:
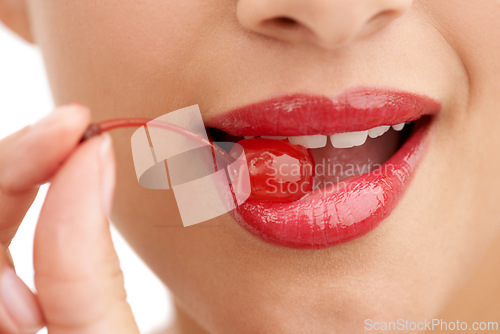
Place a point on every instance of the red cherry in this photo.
(279, 171)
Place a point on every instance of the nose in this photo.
(326, 23)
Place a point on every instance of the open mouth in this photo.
(337, 157)
(364, 146)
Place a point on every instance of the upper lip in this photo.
(356, 109)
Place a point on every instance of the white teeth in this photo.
(249, 137)
(338, 140)
(398, 127)
(348, 139)
(275, 137)
(315, 141)
(378, 131)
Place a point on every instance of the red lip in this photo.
(338, 213)
(299, 114)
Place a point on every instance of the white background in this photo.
(24, 98)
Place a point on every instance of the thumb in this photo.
(77, 273)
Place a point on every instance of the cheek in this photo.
(472, 29)
(98, 51)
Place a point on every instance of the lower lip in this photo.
(336, 215)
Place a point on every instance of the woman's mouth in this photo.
(366, 144)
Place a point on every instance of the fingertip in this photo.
(74, 195)
(70, 116)
(32, 158)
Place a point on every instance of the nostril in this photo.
(282, 22)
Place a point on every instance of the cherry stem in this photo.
(97, 128)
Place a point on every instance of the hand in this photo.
(77, 273)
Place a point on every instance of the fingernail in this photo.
(73, 113)
(19, 302)
(107, 173)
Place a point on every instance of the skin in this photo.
(137, 58)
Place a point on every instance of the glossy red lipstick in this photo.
(300, 114)
(340, 212)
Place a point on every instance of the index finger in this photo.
(29, 158)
